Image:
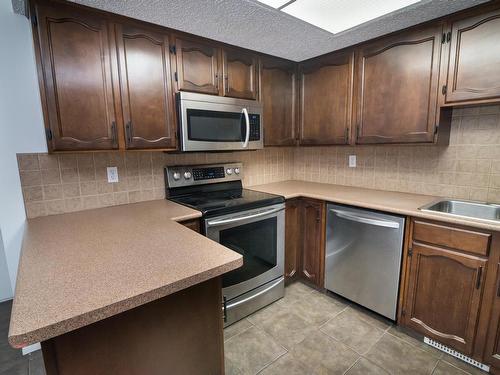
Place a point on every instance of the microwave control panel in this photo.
(254, 127)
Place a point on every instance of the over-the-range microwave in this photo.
(215, 123)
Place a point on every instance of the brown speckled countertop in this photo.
(79, 268)
(389, 201)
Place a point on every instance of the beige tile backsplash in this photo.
(55, 184)
(469, 168)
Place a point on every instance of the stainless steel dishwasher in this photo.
(363, 257)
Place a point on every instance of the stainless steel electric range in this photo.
(249, 222)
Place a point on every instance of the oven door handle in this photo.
(242, 218)
(273, 285)
(247, 123)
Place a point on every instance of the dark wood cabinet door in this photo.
(240, 74)
(75, 58)
(397, 86)
(492, 351)
(293, 236)
(193, 224)
(147, 99)
(312, 257)
(474, 59)
(198, 67)
(326, 100)
(444, 295)
(278, 94)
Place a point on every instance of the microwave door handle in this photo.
(247, 122)
(241, 218)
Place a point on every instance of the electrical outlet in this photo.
(352, 161)
(112, 174)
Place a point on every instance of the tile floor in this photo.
(12, 362)
(308, 332)
(304, 333)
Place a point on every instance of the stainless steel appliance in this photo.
(249, 222)
(363, 257)
(209, 122)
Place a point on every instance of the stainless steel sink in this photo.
(476, 210)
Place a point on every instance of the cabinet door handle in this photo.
(479, 276)
(226, 84)
(114, 136)
(128, 129)
(498, 281)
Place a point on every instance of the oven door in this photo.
(214, 123)
(258, 235)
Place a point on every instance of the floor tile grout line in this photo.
(434, 368)
(350, 367)
(413, 345)
(333, 317)
(239, 333)
(273, 361)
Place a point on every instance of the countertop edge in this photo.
(363, 204)
(88, 318)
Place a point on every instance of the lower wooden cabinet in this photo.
(292, 239)
(304, 241)
(451, 291)
(444, 295)
(492, 350)
(193, 224)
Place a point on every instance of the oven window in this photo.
(257, 242)
(214, 126)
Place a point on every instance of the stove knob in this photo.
(176, 176)
(229, 171)
(187, 175)
(237, 170)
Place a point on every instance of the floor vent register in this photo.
(456, 354)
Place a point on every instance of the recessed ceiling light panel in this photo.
(339, 15)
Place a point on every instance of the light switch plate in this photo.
(352, 161)
(112, 174)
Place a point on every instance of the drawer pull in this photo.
(479, 276)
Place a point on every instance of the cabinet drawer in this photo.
(456, 238)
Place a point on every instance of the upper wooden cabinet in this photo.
(75, 77)
(397, 87)
(198, 67)
(240, 71)
(206, 68)
(147, 100)
(326, 100)
(474, 59)
(278, 93)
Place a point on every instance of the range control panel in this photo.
(188, 175)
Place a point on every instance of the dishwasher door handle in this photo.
(365, 220)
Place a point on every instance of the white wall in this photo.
(5, 289)
(21, 125)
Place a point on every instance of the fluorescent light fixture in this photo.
(338, 15)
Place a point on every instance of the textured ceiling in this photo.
(255, 26)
